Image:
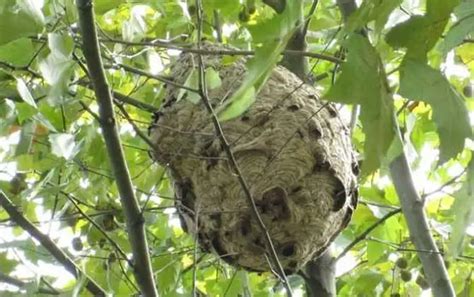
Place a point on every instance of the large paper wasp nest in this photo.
(293, 150)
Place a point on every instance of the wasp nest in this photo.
(293, 150)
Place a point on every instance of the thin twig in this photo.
(4, 278)
(364, 234)
(48, 244)
(101, 230)
(135, 127)
(118, 96)
(132, 101)
(448, 183)
(354, 116)
(152, 76)
(189, 49)
(309, 16)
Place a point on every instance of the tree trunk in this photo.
(320, 276)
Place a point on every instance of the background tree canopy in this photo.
(400, 72)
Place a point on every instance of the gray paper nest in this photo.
(293, 149)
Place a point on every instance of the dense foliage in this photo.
(417, 64)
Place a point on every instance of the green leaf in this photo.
(367, 281)
(56, 70)
(377, 11)
(461, 29)
(17, 52)
(409, 33)
(427, 28)
(375, 251)
(362, 81)
(7, 264)
(26, 138)
(419, 82)
(213, 80)
(233, 286)
(227, 8)
(239, 106)
(25, 162)
(462, 211)
(259, 68)
(63, 145)
(24, 112)
(102, 6)
(60, 44)
(33, 9)
(25, 93)
(167, 272)
(18, 21)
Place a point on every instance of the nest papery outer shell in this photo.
(293, 150)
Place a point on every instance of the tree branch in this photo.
(48, 244)
(4, 278)
(133, 215)
(134, 102)
(298, 64)
(226, 52)
(319, 275)
(118, 96)
(364, 234)
(412, 207)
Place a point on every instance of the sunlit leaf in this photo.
(461, 29)
(420, 82)
(16, 23)
(362, 81)
(102, 6)
(17, 52)
(25, 92)
(213, 79)
(167, 270)
(7, 264)
(26, 138)
(63, 145)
